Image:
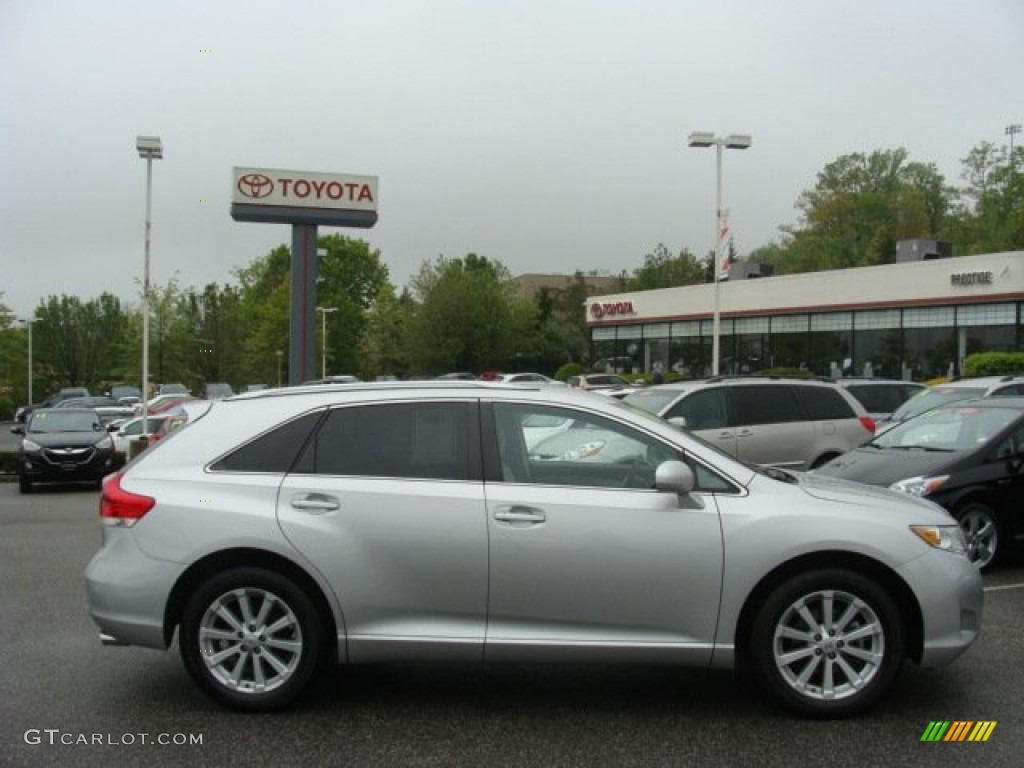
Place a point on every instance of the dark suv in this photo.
(63, 445)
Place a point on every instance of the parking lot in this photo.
(69, 701)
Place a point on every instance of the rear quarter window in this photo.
(274, 451)
(823, 404)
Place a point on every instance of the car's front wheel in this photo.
(251, 639)
(981, 528)
(828, 643)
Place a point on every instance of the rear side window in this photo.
(273, 451)
(823, 404)
(403, 440)
(765, 404)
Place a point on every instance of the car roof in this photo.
(1015, 403)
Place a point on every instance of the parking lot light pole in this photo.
(150, 148)
(323, 338)
(732, 141)
(280, 358)
(28, 326)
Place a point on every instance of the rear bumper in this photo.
(127, 592)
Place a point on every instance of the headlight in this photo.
(948, 538)
(105, 443)
(31, 446)
(919, 486)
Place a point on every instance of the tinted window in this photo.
(881, 398)
(273, 451)
(1011, 390)
(410, 440)
(823, 404)
(704, 409)
(765, 404)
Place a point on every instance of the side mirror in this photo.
(674, 477)
(18, 430)
(112, 427)
(678, 421)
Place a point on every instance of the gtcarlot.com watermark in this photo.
(55, 736)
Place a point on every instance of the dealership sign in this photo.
(303, 197)
(600, 310)
(971, 278)
(266, 186)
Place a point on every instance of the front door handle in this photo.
(519, 515)
(316, 502)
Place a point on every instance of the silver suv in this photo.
(794, 423)
(1010, 385)
(285, 530)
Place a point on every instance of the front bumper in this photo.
(37, 467)
(950, 593)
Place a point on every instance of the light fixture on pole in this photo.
(732, 141)
(323, 338)
(1011, 131)
(150, 148)
(28, 326)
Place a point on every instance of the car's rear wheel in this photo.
(828, 643)
(981, 528)
(251, 639)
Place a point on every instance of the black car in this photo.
(60, 396)
(63, 445)
(967, 456)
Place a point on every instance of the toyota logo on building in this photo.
(611, 308)
(255, 185)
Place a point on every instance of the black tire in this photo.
(863, 663)
(983, 531)
(213, 649)
(24, 484)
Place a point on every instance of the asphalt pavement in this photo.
(65, 700)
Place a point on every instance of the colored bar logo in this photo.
(959, 730)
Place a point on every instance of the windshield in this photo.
(933, 398)
(63, 421)
(953, 428)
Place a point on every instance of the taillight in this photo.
(122, 508)
(868, 423)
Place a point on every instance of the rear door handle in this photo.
(316, 502)
(519, 515)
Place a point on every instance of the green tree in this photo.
(663, 270)
(990, 217)
(76, 341)
(466, 317)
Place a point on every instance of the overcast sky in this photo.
(549, 135)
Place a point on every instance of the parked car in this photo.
(22, 413)
(960, 389)
(794, 423)
(286, 530)
(173, 388)
(967, 456)
(217, 390)
(880, 397)
(526, 378)
(162, 403)
(341, 378)
(125, 392)
(108, 408)
(597, 381)
(131, 429)
(63, 445)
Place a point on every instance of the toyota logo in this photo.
(597, 310)
(255, 185)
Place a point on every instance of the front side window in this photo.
(549, 445)
(704, 409)
(429, 440)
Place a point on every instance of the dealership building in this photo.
(915, 319)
